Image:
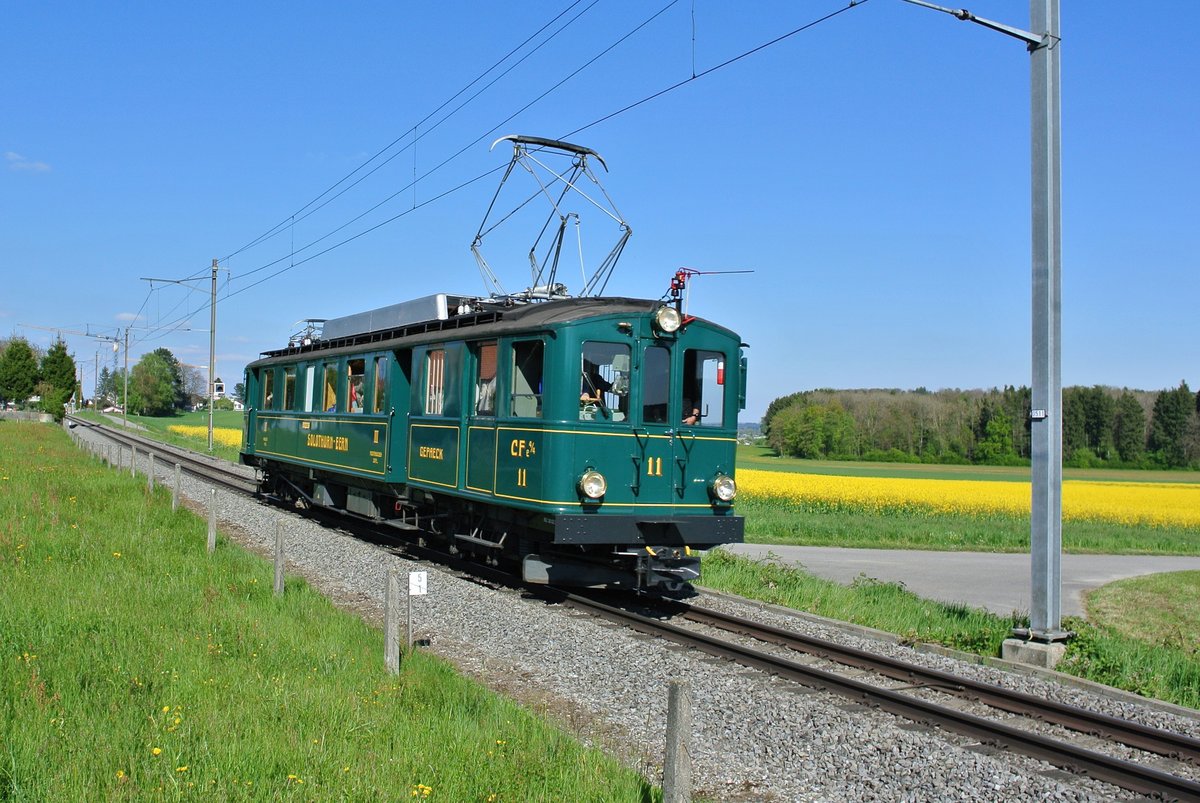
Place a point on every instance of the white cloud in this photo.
(18, 162)
(126, 316)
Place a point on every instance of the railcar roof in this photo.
(495, 320)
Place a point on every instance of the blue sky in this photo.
(872, 171)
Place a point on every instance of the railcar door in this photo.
(686, 415)
(657, 476)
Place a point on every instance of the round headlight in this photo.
(592, 484)
(667, 319)
(724, 488)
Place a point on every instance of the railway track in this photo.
(1126, 774)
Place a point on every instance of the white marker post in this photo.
(418, 586)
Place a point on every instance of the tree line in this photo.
(158, 384)
(30, 379)
(1102, 426)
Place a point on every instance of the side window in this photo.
(380, 400)
(289, 388)
(435, 381)
(310, 388)
(485, 378)
(604, 381)
(528, 359)
(703, 388)
(329, 404)
(268, 389)
(355, 374)
(656, 385)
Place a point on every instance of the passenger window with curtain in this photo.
(310, 388)
(485, 378)
(604, 382)
(703, 388)
(656, 385)
(380, 399)
(329, 404)
(268, 389)
(528, 360)
(289, 388)
(435, 381)
(355, 374)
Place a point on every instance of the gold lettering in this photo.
(316, 441)
(431, 452)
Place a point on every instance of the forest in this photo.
(1102, 426)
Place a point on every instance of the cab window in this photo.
(329, 404)
(704, 388)
(528, 359)
(485, 377)
(380, 397)
(604, 381)
(656, 385)
(268, 389)
(310, 388)
(435, 381)
(289, 388)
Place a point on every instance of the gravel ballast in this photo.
(754, 738)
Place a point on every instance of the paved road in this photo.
(997, 582)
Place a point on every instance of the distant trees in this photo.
(18, 371)
(1172, 427)
(1101, 426)
(152, 386)
(57, 380)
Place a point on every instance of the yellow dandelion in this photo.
(156, 751)
(120, 774)
(166, 708)
(116, 554)
(182, 769)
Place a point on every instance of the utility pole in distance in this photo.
(212, 339)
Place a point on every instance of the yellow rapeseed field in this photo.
(222, 435)
(1145, 503)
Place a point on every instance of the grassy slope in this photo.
(133, 665)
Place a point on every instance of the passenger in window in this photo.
(692, 418)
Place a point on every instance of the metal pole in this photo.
(125, 403)
(212, 354)
(1046, 426)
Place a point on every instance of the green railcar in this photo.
(591, 439)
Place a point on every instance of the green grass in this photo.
(763, 458)
(133, 665)
(1116, 655)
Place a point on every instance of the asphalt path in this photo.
(995, 581)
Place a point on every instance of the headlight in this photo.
(592, 484)
(724, 488)
(667, 319)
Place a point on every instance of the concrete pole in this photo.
(677, 766)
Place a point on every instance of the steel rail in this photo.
(1125, 774)
(1133, 734)
(200, 467)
